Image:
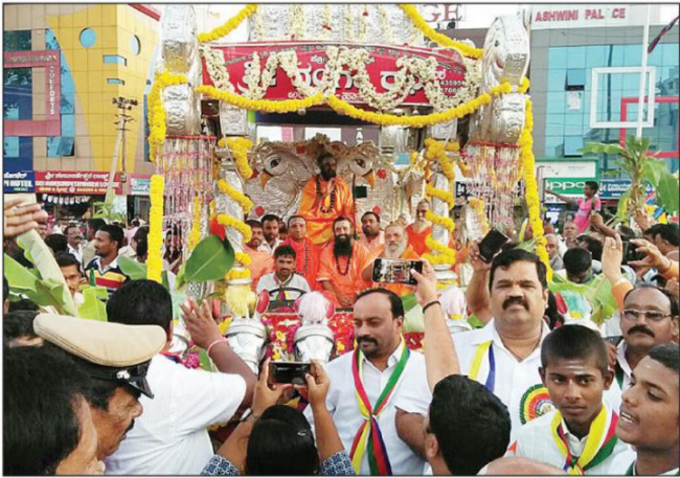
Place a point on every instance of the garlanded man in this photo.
(307, 253)
(420, 229)
(325, 197)
(341, 265)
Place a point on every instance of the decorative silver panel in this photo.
(233, 121)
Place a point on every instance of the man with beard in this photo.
(325, 197)
(505, 355)
(369, 388)
(649, 415)
(341, 265)
(396, 247)
(270, 227)
(373, 238)
(283, 277)
(649, 318)
(420, 229)
(307, 262)
(103, 270)
(261, 262)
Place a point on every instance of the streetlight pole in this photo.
(643, 78)
(124, 105)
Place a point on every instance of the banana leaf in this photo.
(598, 292)
(131, 268)
(211, 260)
(622, 208)
(94, 307)
(41, 256)
(19, 278)
(409, 301)
(658, 174)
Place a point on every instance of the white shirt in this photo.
(269, 282)
(623, 462)
(77, 253)
(517, 384)
(535, 440)
(411, 394)
(623, 371)
(170, 437)
(265, 247)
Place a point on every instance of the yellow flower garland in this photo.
(240, 226)
(438, 38)
(440, 194)
(263, 106)
(229, 26)
(445, 222)
(445, 255)
(242, 200)
(154, 261)
(478, 206)
(156, 115)
(195, 234)
(531, 188)
(244, 259)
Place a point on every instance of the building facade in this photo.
(63, 67)
(573, 48)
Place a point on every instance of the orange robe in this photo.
(400, 289)
(319, 223)
(377, 246)
(349, 284)
(417, 239)
(307, 260)
(261, 263)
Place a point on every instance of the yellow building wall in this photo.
(114, 26)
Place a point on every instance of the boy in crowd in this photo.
(579, 436)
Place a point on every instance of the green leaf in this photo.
(622, 209)
(50, 293)
(131, 268)
(667, 193)
(211, 260)
(44, 261)
(597, 292)
(18, 277)
(409, 301)
(94, 307)
(177, 298)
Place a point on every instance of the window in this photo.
(572, 145)
(59, 146)
(17, 99)
(88, 38)
(68, 125)
(10, 147)
(135, 45)
(18, 40)
(115, 59)
(51, 42)
(115, 81)
(576, 80)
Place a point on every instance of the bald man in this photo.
(515, 465)
(553, 248)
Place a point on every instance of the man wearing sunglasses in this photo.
(649, 318)
(116, 357)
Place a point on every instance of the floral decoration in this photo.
(154, 261)
(229, 26)
(156, 118)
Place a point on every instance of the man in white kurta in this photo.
(505, 355)
(380, 345)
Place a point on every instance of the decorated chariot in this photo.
(443, 110)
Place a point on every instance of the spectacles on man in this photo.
(651, 315)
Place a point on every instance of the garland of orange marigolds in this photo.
(232, 24)
(154, 261)
(157, 128)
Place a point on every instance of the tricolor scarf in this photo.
(482, 349)
(369, 437)
(599, 445)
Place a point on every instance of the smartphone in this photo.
(630, 253)
(491, 244)
(395, 271)
(289, 372)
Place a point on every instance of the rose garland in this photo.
(229, 26)
(157, 112)
(531, 188)
(154, 261)
(466, 50)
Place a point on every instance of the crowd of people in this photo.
(549, 382)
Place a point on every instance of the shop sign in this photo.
(75, 182)
(381, 67)
(566, 187)
(140, 186)
(19, 182)
(588, 15)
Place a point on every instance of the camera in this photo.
(395, 270)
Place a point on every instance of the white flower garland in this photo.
(326, 27)
(385, 24)
(297, 22)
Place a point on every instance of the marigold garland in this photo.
(157, 128)
(466, 50)
(244, 259)
(445, 255)
(242, 200)
(263, 106)
(531, 188)
(240, 226)
(195, 234)
(231, 24)
(154, 261)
